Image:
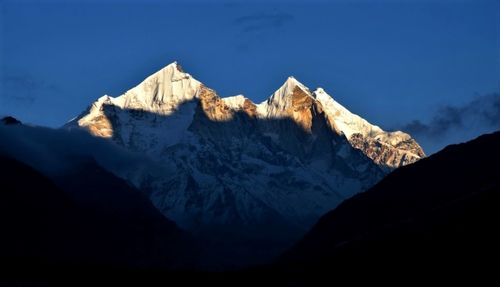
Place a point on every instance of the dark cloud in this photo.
(255, 29)
(24, 87)
(481, 112)
(262, 22)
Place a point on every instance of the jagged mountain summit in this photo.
(261, 169)
(163, 92)
(389, 149)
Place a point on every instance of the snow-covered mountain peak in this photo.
(290, 94)
(289, 86)
(293, 101)
(162, 91)
(171, 92)
(391, 149)
(291, 80)
(347, 122)
(170, 73)
(291, 83)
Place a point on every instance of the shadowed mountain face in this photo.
(250, 195)
(86, 219)
(440, 211)
(238, 171)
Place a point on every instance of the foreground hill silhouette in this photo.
(440, 212)
(46, 232)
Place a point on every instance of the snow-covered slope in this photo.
(284, 99)
(258, 171)
(389, 149)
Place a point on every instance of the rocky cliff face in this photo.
(268, 168)
(401, 153)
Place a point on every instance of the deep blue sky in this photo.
(392, 62)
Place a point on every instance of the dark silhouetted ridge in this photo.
(45, 230)
(10, 121)
(440, 211)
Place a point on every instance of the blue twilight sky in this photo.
(431, 68)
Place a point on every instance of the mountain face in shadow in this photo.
(440, 211)
(86, 220)
(256, 176)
